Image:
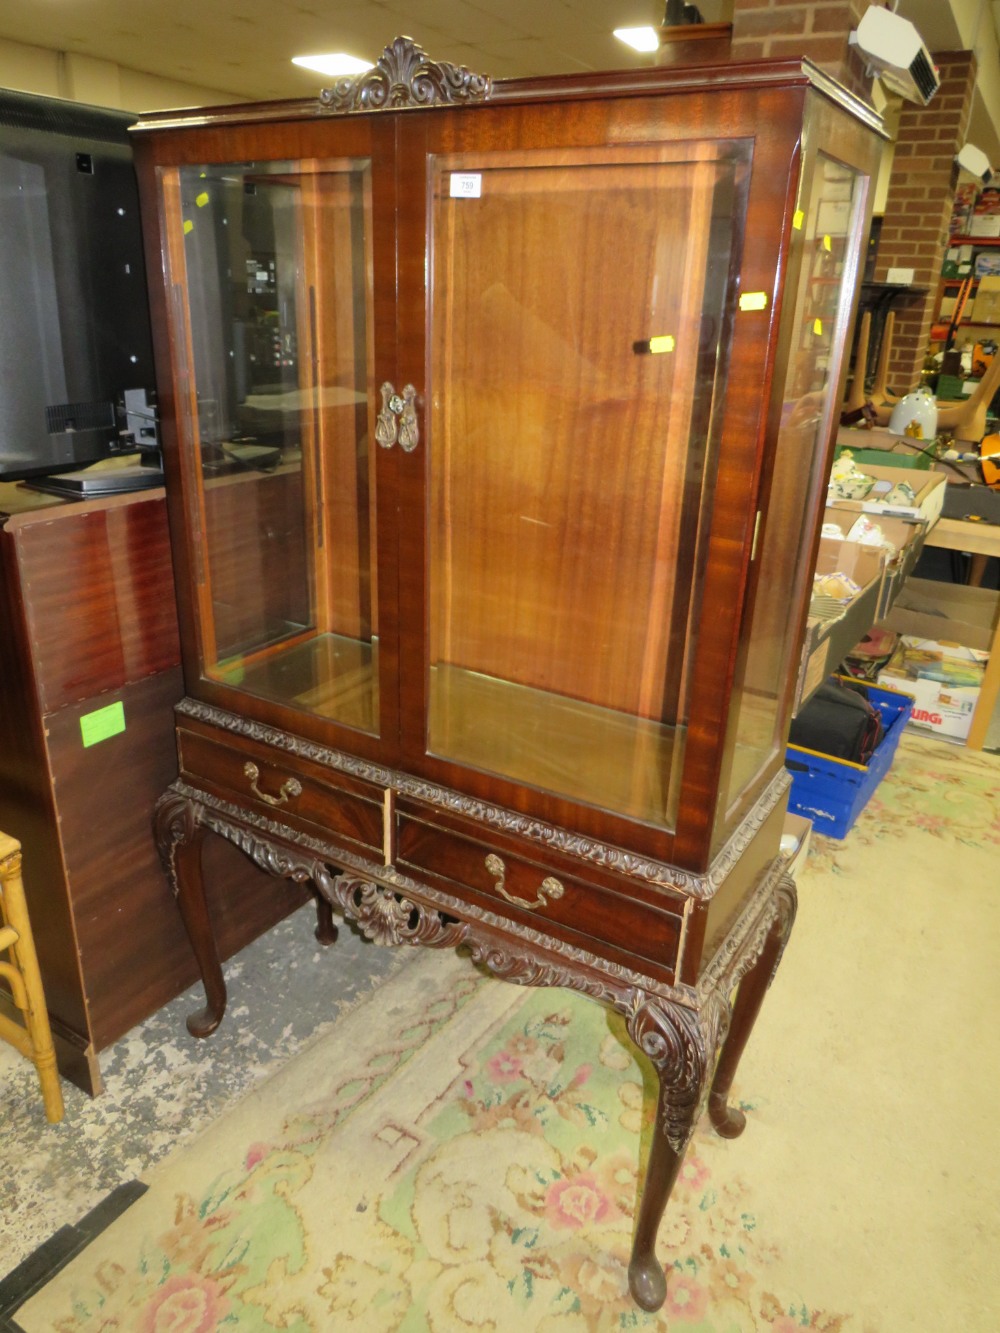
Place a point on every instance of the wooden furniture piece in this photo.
(89, 675)
(32, 1037)
(498, 421)
(956, 534)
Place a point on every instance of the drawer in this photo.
(333, 806)
(588, 914)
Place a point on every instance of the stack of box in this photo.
(944, 679)
(946, 631)
(985, 220)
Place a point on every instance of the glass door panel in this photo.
(273, 261)
(832, 240)
(580, 304)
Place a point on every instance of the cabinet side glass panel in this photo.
(273, 266)
(831, 239)
(579, 334)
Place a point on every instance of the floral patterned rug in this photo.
(459, 1154)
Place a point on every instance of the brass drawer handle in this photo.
(550, 886)
(290, 787)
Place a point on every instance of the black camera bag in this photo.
(840, 721)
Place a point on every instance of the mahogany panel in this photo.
(27, 806)
(109, 939)
(98, 597)
(712, 919)
(134, 953)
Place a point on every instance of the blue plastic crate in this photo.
(833, 792)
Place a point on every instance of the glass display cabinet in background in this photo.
(497, 422)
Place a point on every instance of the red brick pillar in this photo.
(918, 206)
(818, 29)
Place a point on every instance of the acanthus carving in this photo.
(526, 956)
(275, 860)
(787, 904)
(236, 822)
(405, 76)
(176, 818)
(679, 1030)
(680, 1046)
(385, 916)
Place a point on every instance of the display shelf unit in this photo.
(950, 288)
(493, 538)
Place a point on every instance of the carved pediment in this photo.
(403, 76)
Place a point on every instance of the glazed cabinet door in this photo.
(582, 273)
(830, 226)
(273, 264)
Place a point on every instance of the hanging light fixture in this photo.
(336, 63)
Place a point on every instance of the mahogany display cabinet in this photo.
(497, 423)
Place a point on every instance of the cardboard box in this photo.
(949, 612)
(984, 224)
(907, 536)
(928, 487)
(944, 680)
(832, 631)
(796, 835)
(948, 630)
(882, 448)
(986, 306)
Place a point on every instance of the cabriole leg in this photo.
(179, 837)
(673, 1040)
(729, 1121)
(326, 930)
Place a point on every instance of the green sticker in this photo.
(102, 723)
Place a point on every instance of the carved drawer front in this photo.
(554, 902)
(336, 807)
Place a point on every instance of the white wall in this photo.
(34, 69)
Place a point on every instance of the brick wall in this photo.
(918, 205)
(818, 29)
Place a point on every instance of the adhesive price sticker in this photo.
(465, 184)
(102, 724)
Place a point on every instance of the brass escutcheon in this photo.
(398, 418)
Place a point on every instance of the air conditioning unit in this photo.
(974, 160)
(896, 54)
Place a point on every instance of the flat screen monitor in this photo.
(74, 314)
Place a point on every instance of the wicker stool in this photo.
(34, 1039)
